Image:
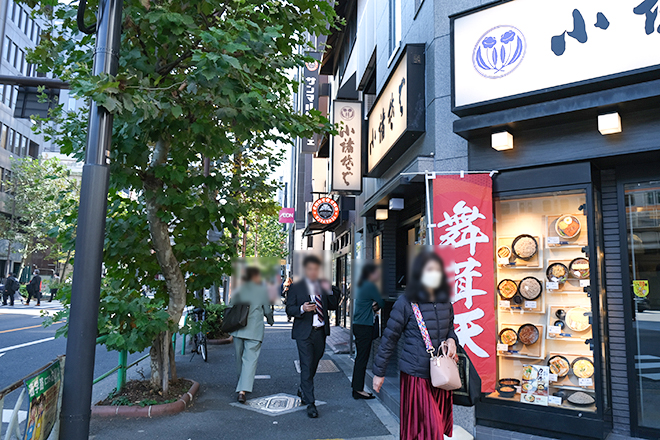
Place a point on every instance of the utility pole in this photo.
(83, 319)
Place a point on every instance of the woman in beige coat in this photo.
(247, 340)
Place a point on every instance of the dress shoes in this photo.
(312, 412)
(241, 397)
(358, 396)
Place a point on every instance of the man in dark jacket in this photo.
(308, 302)
(11, 287)
(34, 288)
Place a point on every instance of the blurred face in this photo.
(375, 277)
(256, 279)
(432, 275)
(312, 271)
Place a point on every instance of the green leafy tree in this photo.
(39, 190)
(266, 237)
(199, 81)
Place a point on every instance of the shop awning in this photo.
(400, 186)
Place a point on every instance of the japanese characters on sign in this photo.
(43, 392)
(398, 116)
(463, 222)
(507, 50)
(310, 97)
(346, 158)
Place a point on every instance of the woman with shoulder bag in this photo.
(247, 340)
(426, 411)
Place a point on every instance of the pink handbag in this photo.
(444, 371)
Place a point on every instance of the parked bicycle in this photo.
(199, 339)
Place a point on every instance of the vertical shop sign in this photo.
(463, 222)
(346, 155)
(43, 392)
(310, 97)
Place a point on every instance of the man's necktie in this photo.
(319, 304)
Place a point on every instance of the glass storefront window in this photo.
(643, 233)
(543, 309)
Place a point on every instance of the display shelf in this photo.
(571, 381)
(564, 403)
(522, 309)
(567, 405)
(554, 240)
(520, 350)
(571, 285)
(517, 263)
(566, 334)
(536, 305)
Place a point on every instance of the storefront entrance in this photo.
(642, 210)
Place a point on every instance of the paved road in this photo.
(25, 346)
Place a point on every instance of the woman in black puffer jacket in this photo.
(426, 411)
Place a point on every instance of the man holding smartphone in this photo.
(308, 302)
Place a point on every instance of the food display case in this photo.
(543, 302)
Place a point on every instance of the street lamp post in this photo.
(81, 341)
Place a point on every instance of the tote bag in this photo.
(236, 317)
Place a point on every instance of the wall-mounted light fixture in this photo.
(502, 140)
(396, 204)
(609, 123)
(382, 214)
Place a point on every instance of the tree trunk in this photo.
(68, 257)
(169, 265)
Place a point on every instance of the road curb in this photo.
(225, 341)
(166, 409)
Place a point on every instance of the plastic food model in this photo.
(577, 320)
(567, 226)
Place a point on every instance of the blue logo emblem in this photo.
(499, 52)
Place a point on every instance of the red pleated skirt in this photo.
(426, 411)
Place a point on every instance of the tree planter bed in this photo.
(164, 409)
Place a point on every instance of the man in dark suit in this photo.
(308, 302)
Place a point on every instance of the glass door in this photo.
(642, 201)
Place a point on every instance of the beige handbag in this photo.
(444, 371)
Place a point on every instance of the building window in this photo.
(395, 25)
(16, 12)
(34, 150)
(3, 136)
(8, 48)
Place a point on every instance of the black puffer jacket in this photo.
(439, 319)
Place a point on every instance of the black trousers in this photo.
(6, 295)
(363, 338)
(310, 352)
(52, 294)
(36, 296)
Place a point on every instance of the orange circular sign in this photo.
(325, 210)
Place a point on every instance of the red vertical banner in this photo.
(463, 225)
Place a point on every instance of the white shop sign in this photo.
(524, 46)
(346, 157)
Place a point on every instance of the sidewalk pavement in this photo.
(215, 415)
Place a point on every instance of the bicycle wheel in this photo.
(202, 347)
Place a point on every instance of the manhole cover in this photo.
(274, 405)
(325, 366)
